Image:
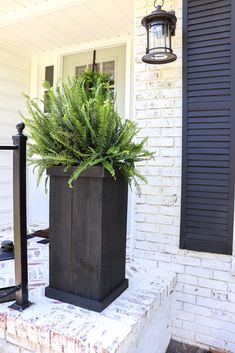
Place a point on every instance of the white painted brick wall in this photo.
(205, 292)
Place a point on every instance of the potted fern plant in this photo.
(89, 154)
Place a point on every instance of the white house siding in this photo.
(205, 294)
(14, 79)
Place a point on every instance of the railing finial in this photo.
(20, 127)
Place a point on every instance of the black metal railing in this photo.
(19, 292)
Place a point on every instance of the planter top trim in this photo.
(92, 172)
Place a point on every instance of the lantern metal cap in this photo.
(161, 15)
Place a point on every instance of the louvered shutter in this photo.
(208, 126)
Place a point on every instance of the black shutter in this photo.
(208, 126)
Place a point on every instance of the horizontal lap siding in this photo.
(207, 182)
(14, 79)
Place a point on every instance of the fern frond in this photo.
(81, 127)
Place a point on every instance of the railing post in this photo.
(20, 219)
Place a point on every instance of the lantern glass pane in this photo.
(168, 37)
(157, 37)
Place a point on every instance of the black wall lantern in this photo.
(160, 26)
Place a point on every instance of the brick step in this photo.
(139, 321)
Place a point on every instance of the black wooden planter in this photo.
(87, 238)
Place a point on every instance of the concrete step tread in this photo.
(57, 325)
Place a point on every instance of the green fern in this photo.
(82, 128)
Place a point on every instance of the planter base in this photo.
(86, 303)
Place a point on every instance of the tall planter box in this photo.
(87, 238)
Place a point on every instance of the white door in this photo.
(110, 61)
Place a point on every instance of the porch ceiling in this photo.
(44, 25)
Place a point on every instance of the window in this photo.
(80, 70)
(107, 67)
(49, 77)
